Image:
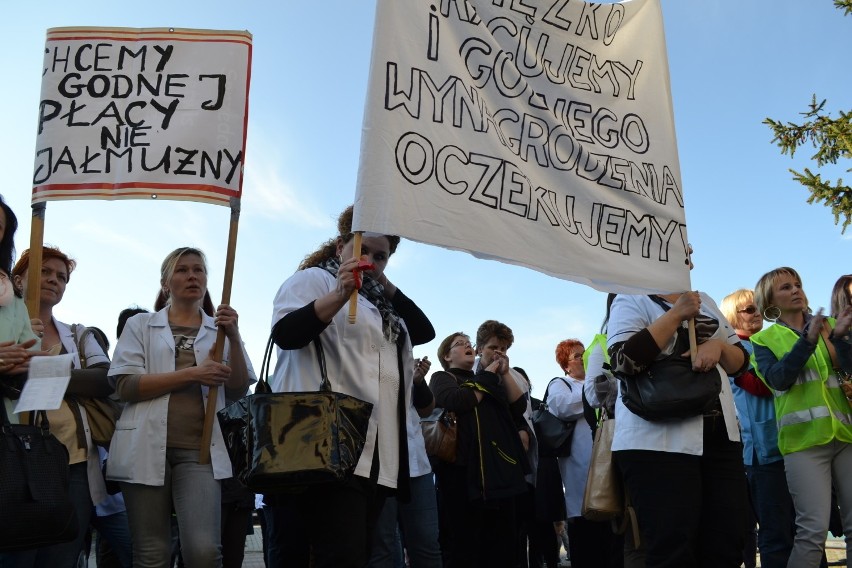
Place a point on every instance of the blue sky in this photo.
(731, 64)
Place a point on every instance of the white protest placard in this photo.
(156, 113)
(46, 383)
(535, 132)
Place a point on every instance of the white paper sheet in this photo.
(47, 382)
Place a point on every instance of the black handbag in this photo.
(669, 389)
(286, 440)
(34, 476)
(554, 435)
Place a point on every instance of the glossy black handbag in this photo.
(553, 434)
(286, 440)
(35, 508)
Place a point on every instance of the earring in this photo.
(772, 313)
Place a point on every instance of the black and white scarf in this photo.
(374, 292)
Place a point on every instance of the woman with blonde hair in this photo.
(764, 464)
(163, 368)
(803, 358)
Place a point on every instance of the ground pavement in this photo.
(835, 552)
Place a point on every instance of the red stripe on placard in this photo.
(131, 185)
(167, 38)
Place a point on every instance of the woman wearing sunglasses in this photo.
(764, 464)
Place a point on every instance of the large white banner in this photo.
(536, 132)
(129, 113)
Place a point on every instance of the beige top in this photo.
(186, 406)
(185, 419)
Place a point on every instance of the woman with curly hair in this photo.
(370, 359)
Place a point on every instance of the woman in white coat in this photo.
(163, 368)
(685, 477)
(587, 540)
(69, 423)
(370, 359)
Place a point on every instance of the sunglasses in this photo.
(747, 310)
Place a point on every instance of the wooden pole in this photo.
(218, 352)
(33, 299)
(353, 298)
(693, 344)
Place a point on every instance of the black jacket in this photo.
(488, 443)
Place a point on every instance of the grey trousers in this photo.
(196, 498)
(810, 474)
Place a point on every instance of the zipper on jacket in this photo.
(503, 454)
(481, 460)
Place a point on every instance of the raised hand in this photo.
(227, 318)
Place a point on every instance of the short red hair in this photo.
(564, 351)
(47, 253)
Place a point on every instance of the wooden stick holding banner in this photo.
(353, 298)
(36, 241)
(693, 344)
(218, 352)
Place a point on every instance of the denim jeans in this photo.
(418, 521)
(775, 514)
(196, 497)
(116, 530)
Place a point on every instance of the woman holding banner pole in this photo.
(685, 477)
(70, 422)
(370, 359)
(163, 367)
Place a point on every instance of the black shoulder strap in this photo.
(263, 384)
(547, 389)
(80, 341)
(325, 384)
(660, 302)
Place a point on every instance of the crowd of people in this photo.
(771, 450)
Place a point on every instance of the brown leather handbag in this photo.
(440, 431)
